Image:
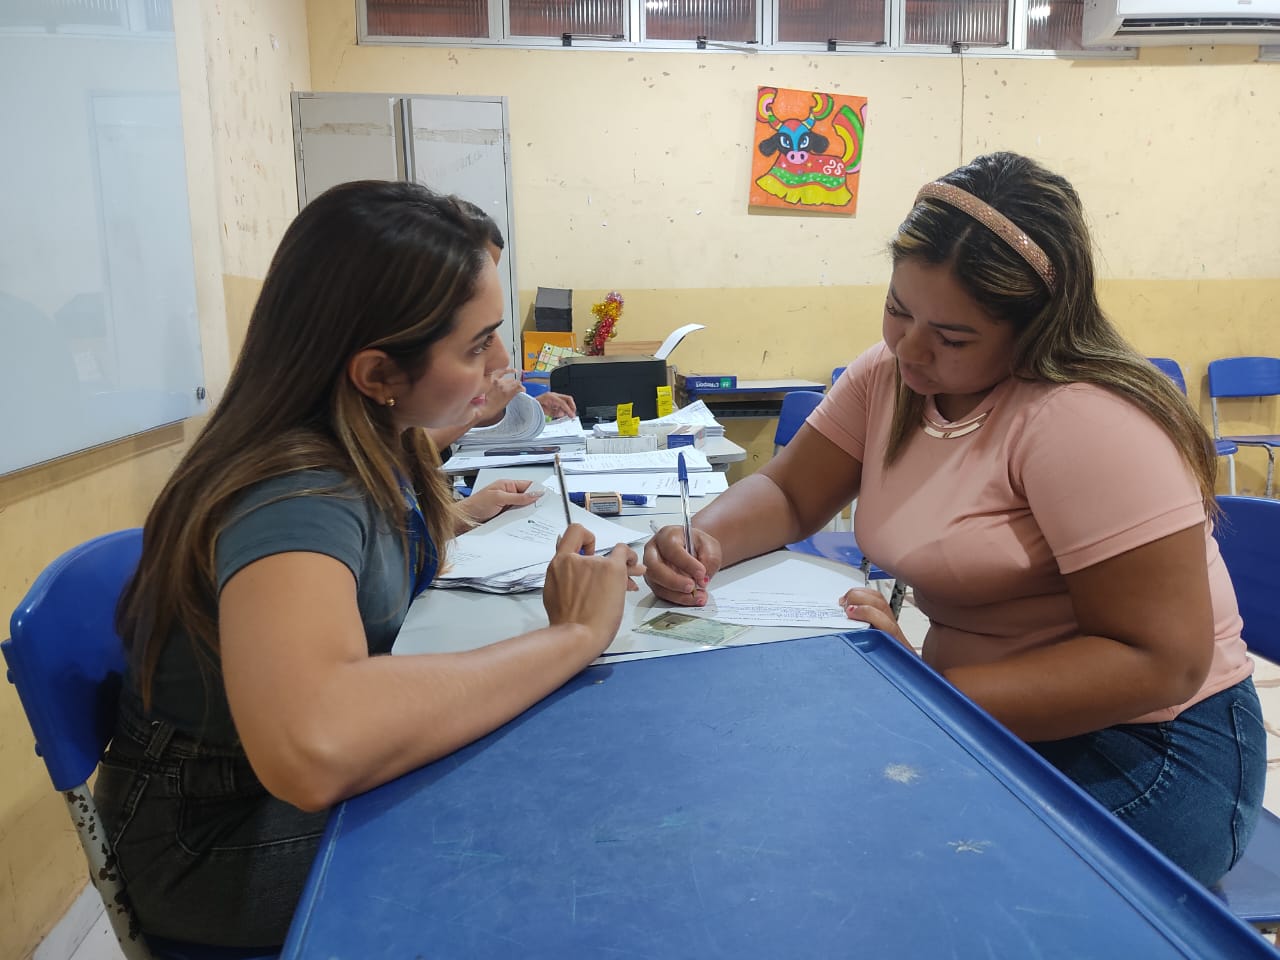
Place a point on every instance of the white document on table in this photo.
(522, 538)
(653, 461)
(656, 484)
(475, 462)
(791, 593)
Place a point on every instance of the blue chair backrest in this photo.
(796, 406)
(835, 375)
(1248, 534)
(1244, 377)
(65, 657)
(535, 387)
(1171, 370)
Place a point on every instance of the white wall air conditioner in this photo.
(1149, 23)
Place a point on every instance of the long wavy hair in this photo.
(1060, 336)
(369, 264)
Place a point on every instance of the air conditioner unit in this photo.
(1149, 23)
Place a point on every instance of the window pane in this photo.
(943, 22)
(428, 18)
(1055, 24)
(818, 21)
(540, 18)
(689, 19)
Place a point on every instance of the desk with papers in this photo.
(820, 797)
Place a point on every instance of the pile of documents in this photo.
(523, 425)
(651, 461)
(695, 414)
(510, 553)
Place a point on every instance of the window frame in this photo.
(766, 41)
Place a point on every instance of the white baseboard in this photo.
(74, 926)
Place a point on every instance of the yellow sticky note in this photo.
(629, 427)
(665, 405)
(624, 412)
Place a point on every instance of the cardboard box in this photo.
(553, 309)
(701, 381)
(534, 340)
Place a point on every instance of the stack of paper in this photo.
(653, 461)
(695, 414)
(524, 424)
(658, 484)
(510, 553)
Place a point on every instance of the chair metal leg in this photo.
(895, 599)
(1271, 467)
(104, 874)
(1231, 472)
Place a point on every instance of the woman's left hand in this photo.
(869, 605)
(487, 502)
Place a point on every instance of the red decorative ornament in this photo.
(607, 313)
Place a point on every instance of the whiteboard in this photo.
(99, 337)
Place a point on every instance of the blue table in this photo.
(827, 797)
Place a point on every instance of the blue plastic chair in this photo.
(535, 387)
(796, 407)
(67, 661)
(1224, 448)
(835, 375)
(1248, 534)
(1245, 377)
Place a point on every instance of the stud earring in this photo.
(390, 401)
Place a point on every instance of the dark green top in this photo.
(311, 511)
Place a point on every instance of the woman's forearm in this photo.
(753, 517)
(1077, 686)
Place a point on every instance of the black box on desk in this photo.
(599, 384)
(553, 309)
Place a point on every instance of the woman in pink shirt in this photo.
(1045, 491)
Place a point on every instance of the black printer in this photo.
(599, 384)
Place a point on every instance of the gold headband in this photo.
(995, 221)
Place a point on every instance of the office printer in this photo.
(599, 384)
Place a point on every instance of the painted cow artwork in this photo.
(793, 167)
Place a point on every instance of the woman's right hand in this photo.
(675, 575)
(586, 589)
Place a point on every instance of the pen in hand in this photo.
(564, 491)
(682, 475)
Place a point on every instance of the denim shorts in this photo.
(206, 854)
(1192, 786)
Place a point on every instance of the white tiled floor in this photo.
(101, 945)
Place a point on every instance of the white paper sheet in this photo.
(520, 539)
(472, 462)
(659, 484)
(792, 593)
(654, 461)
(674, 338)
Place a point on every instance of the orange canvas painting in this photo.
(807, 150)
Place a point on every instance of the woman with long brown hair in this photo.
(282, 556)
(1045, 491)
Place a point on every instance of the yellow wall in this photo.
(631, 172)
(636, 181)
(237, 64)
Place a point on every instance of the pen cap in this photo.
(682, 471)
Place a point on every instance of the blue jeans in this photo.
(206, 854)
(1192, 787)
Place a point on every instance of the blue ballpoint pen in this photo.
(682, 475)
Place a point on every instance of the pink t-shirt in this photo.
(984, 526)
